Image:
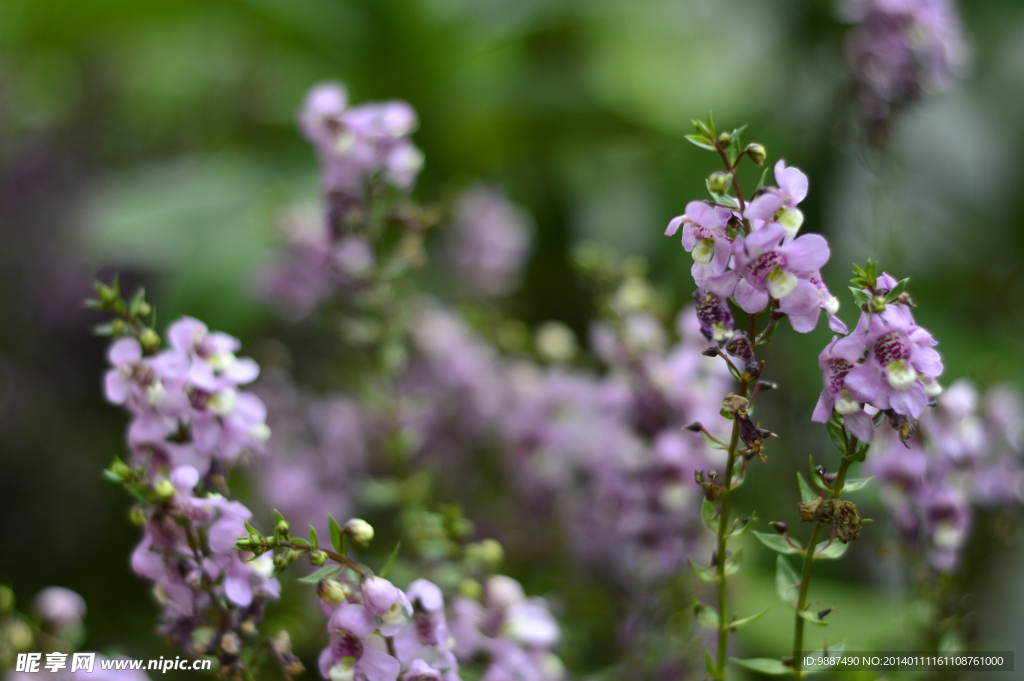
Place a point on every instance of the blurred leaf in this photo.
(812, 617)
(701, 141)
(705, 574)
(746, 620)
(787, 581)
(709, 665)
(764, 665)
(836, 433)
(776, 543)
(732, 563)
(735, 534)
(834, 550)
(705, 614)
(708, 512)
(711, 442)
(391, 560)
(807, 494)
(325, 572)
(335, 534)
(856, 484)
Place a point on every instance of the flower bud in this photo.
(757, 153)
(282, 528)
(121, 469)
(718, 181)
(18, 635)
(230, 643)
(878, 304)
(489, 552)
(6, 598)
(360, 531)
(332, 591)
(149, 339)
(143, 308)
(281, 560)
(695, 427)
(781, 528)
(117, 327)
(470, 588)
(725, 139)
(244, 544)
(317, 557)
(165, 490)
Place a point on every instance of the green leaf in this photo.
(860, 296)
(764, 665)
(724, 199)
(732, 563)
(701, 141)
(277, 517)
(710, 666)
(103, 329)
(299, 541)
(776, 543)
(711, 442)
(896, 290)
(747, 620)
(812, 617)
(391, 560)
(313, 538)
(860, 453)
(764, 174)
(807, 494)
(325, 572)
(137, 300)
(705, 614)
(735, 534)
(707, 512)
(833, 551)
(816, 478)
(836, 433)
(703, 573)
(856, 484)
(336, 534)
(787, 581)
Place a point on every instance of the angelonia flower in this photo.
(960, 458)
(488, 241)
(59, 608)
(888, 364)
(191, 422)
(358, 145)
(755, 257)
(900, 49)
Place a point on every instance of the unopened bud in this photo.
(230, 643)
(18, 635)
(332, 591)
(824, 613)
(202, 639)
(121, 469)
(767, 385)
(117, 327)
(165, 490)
(317, 557)
(696, 427)
(248, 627)
(878, 304)
(6, 599)
(718, 181)
(757, 153)
(149, 339)
(282, 528)
(820, 470)
(470, 588)
(273, 542)
(143, 309)
(244, 544)
(360, 531)
(281, 560)
(781, 528)
(489, 552)
(713, 474)
(710, 352)
(725, 139)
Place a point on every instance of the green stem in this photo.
(723, 530)
(805, 575)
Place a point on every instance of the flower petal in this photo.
(749, 298)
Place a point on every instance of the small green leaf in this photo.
(705, 614)
(896, 290)
(137, 300)
(103, 329)
(856, 484)
(836, 433)
(860, 296)
(710, 667)
(764, 174)
(732, 563)
(861, 453)
(277, 517)
(336, 534)
(764, 665)
(391, 560)
(313, 539)
(735, 534)
(817, 478)
(812, 617)
(325, 572)
(787, 581)
(701, 141)
(711, 442)
(299, 541)
(707, 512)
(703, 573)
(776, 543)
(747, 620)
(833, 551)
(807, 494)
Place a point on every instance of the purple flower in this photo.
(771, 267)
(59, 608)
(425, 638)
(705, 236)
(713, 313)
(836, 361)
(383, 599)
(351, 653)
(778, 205)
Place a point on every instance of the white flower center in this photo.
(344, 670)
(931, 388)
(947, 536)
(831, 303)
(846, 404)
(900, 374)
(780, 283)
(155, 393)
(791, 220)
(223, 403)
(396, 615)
(221, 361)
(704, 252)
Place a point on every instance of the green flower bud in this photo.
(6, 599)
(317, 557)
(756, 153)
(244, 544)
(725, 139)
(143, 309)
(489, 552)
(332, 591)
(118, 327)
(230, 643)
(137, 515)
(149, 338)
(121, 469)
(282, 528)
(165, 490)
(878, 304)
(360, 531)
(718, 181)
(281, 560)
(470, 588)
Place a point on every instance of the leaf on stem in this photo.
(776, 543)
(856, 484)
(833, 551)
(862, 297)
(817, 478)
(807, 495)
(705, 614)
(701, 141)
(836, 433)
(746, 620)
(325, 572)
(703, 573)
(812, 617)
(336, 534)
(710, 667)
(896, 290)
(391, 560)
(712, 442)
(708, 513)
(786, 581)
(732, 563)
(735, 534)
(764, 665)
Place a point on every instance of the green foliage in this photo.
(832, 551)
(764, 665)
(807, 494)
(705, 614)
(705, 574)
(391, 561)
(787, 581)
(776, 543)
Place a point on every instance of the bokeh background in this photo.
(158, 140)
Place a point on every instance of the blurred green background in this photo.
(158, 139)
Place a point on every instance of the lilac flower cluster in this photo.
(489, 241)
(888, 364)
(966, 453)
(190, 423)
(755, 256)
(380, 633)
(900, 49)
